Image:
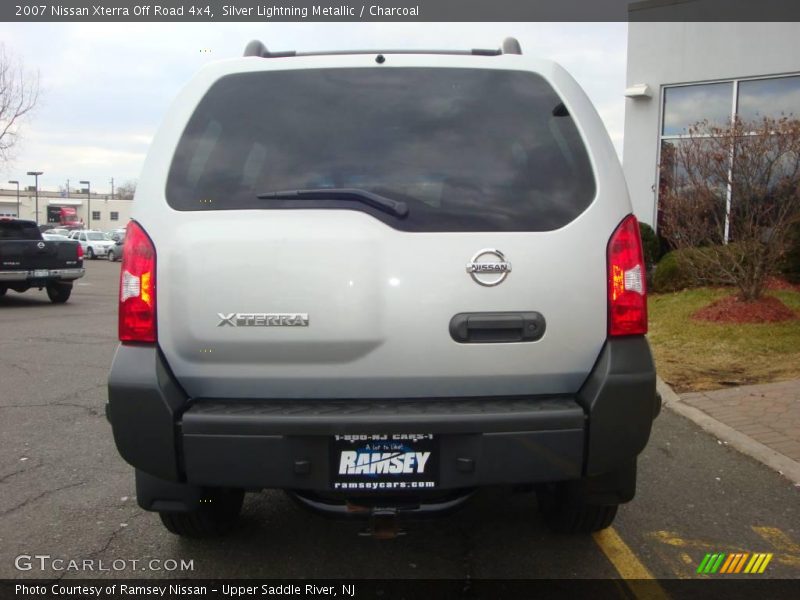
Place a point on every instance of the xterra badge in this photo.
(486, 271)
(263, 320)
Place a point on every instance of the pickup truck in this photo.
(28, 261)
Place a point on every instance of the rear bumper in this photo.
(480, 441)
(42, 274)
(286, 444)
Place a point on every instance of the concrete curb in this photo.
(743, 443)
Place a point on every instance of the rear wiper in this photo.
(393, 207)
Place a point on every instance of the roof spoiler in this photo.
(258, 49)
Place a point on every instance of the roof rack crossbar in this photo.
(258, 49)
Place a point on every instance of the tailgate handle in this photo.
(499, 327)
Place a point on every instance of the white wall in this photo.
(662, 54)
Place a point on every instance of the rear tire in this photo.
(3, 291)
(111, 257)
(59, 292)
(216, 518)
(564, 516)
(90, 253)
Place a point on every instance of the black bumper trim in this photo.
(247, 443)
(326, 417)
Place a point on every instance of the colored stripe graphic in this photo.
(732, 558)
(718, 562)
(703, 563)
(711, 563)
(741, 563)
(751, 564)
(765, 563)
(734, 562)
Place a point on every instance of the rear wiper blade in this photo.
(393, 207)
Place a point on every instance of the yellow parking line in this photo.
(777, 539)
(637, 577)
(780, 541)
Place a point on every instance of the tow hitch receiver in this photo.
(383, 524)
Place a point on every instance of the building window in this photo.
(775, 97)
(719, 104)
(95, 215)
(686, 105)
(114, 216)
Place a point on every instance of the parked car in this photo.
(116, 234)
(115, 252)
(29, 261)
(57, 231)
(94, 243)
(54, 237)
(319, 297)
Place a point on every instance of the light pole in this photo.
(112, 188)
(88, 203)
(17, 182)
(36, 174)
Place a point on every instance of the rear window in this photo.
(19, 230)
(465, 149)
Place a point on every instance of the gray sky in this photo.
(105, 87)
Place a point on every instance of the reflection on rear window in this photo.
(17, 230)
(466, 149)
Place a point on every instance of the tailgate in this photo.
(31, 254)
(367, 309)
(269, 288)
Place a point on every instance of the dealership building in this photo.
(107, 213)
(681, 73)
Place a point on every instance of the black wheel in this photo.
(563, 515)
(111, 256)
(216, 516)
(59, 292)
(90, 253)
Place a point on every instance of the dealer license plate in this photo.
(384, 463)
(41, 273)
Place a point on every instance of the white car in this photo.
(317, 292)
(58, 231)
(115, 234)
(94, 243)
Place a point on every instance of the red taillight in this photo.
(627, 286)
(80, 251)
(137, 287)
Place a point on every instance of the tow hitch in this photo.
(383, 521)
(383, 524)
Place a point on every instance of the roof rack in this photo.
(257, 48)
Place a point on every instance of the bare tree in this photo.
(19, 91)
(126, 190)
(731, 193)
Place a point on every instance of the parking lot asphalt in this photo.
(66, 493)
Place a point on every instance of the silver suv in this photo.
(379, 281)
